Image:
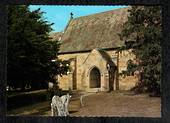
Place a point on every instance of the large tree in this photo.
(142, 32)
(30, 49)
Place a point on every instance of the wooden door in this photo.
(95, 78)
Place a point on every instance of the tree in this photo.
(30, 49)
(143, 32)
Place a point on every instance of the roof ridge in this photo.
(117, 9)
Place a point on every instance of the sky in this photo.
(60, 15)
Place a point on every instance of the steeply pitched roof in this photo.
(94, 31)
(56, 35)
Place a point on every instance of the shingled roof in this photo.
(94, 31)
(56, 36)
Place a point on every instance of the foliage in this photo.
(130, 70)
(30, 49)
(131, 67)
(143, 32)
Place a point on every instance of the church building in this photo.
(91, 45)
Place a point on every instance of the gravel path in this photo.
(124, 104)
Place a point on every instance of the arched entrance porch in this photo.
(95, 78)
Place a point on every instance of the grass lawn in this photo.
(24, 99)
(35, 109)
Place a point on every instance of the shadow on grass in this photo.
(22, 100)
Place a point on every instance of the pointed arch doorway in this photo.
(95, 80)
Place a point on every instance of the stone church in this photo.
(91, 45)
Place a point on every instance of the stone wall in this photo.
(82, 63)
